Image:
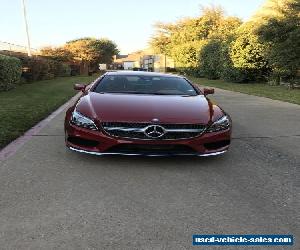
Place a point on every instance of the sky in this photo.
(129, 23)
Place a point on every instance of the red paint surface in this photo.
(176, 109)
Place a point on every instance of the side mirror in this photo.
(79, 86)
(208, 91)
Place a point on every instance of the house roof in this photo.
(121, 56)
(133, 57)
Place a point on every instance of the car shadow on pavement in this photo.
(151, 161)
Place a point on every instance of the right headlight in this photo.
(82, 121)
(222, 124)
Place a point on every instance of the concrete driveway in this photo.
(52, 198)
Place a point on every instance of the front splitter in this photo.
(146, 154)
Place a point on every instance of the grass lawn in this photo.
(23, 107)
(259, 89)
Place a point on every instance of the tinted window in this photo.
(136, 84)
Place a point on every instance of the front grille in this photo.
(140, 130)
(151, 149)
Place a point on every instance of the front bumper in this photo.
(99, 143)
(146, 154)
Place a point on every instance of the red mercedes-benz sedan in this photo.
(142, 113)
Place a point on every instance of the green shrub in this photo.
(215, 62)
(186, 57)
(62, 69)
(170, 70)
(75, 69)
(66, 70)
(280, 30)
(248, 55)
(227, 71)
(10, 72)
(40, 68)
(232, 74)
(210, 59)
(34, 68)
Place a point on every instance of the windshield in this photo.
(151, 85)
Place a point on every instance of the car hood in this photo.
(143, 108)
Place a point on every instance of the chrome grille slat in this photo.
(184, 130)
(124, 129)
(137, 130)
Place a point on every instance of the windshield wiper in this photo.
(143, 93)
(116, 92)
(137, 92)
(170, 94)
(160, 94)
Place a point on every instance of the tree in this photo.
(59, 54)
(248, 54)
(210, 59)
(215, 61)
(91, 51)
(184, 39)
(161, 40)
(280, 29)
(186, 57)
(103, 50)
(228, 71)
(227, 29)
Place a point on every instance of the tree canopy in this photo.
(218, 46)
(89, 52)
(92, 50)
(58, 54)
(280, 29)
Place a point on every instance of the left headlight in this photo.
(82, 121)
(222, 124)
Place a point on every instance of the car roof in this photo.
(139, 73)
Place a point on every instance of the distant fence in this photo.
(15, 47)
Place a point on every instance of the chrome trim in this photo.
(154, 130)
(151, 155)
(185, 130)
(142, 130)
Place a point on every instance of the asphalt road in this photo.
(52, 198)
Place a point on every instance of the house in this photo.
(158, 63)
(128, 62)
(143, 60)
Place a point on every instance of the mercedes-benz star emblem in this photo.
(155, 120)
(154, 131)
